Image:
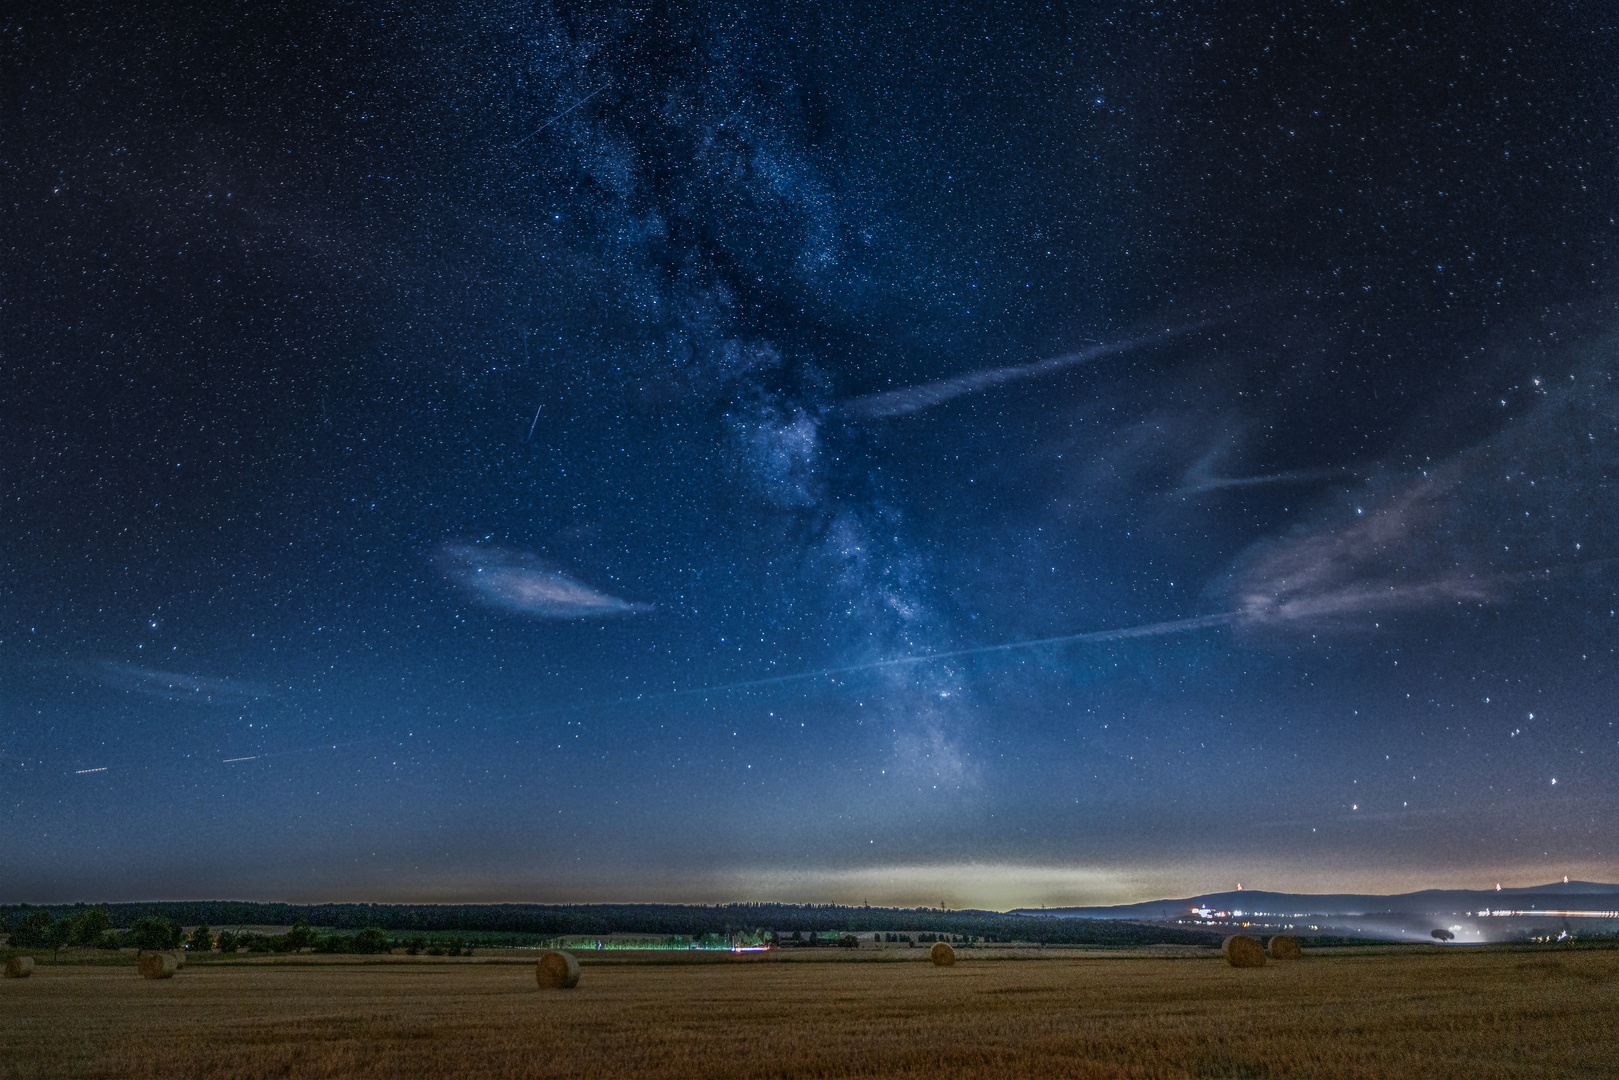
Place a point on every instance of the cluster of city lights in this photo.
(1553, 914)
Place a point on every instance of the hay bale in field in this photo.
(943, 955)
(1240, 950)
(19, 967)
(1282, 947)
(157, 965)
(557, 971)
(179, 958)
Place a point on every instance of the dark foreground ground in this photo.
(1396, 1013)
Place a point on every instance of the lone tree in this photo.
(56, 935)
(155, 934)
(32, 931)
(86, 927)
(300, 936)
(1443, 935)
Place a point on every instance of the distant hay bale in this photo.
(943, 955)
(19, 967)
(557, 971)
(157, 965)
(1240, 950)
(1282, 947)
(179, 958)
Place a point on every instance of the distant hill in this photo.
(1557, 910)
(1559, 895)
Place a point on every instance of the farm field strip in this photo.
(1440, 1015)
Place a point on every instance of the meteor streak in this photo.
(302, 750)
(560, 115)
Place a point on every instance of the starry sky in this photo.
(987, 454)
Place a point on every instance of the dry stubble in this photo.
(1475, 1015)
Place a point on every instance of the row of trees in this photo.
(90, 927)
(580, 920)
(39, 929)
(302, 936)
(420, 944)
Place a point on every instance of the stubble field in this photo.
(1437, 1014)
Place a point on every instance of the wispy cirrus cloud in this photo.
(1533, 503)
(173, 685)
(1388, 559)
(1203, 476)
(914, 399)
(519, 582)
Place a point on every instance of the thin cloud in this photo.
(1532, 504)
(1196, 485)
(914, 399)
(516, 581)
(1202, 477)
(173, 685)
(1382, 562)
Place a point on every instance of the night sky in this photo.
(476, 452)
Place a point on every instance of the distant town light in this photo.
(1556, 914)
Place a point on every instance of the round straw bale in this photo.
(19, 967)
(943, 955)
(557, 971)
(157, 965)
(179, 958)
(1282, 947)
(1240, 950)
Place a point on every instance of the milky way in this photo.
(693, 453)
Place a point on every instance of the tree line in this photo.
(93, 928)
(84, 926)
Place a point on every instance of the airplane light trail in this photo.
(81, 772)
(1173, 626)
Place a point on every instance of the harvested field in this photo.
(1435, 1014)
